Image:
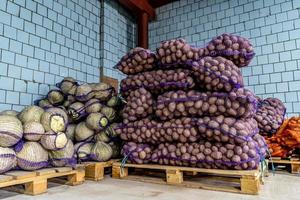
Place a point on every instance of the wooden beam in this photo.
(143, 20)
(158, 3)
(139, 6)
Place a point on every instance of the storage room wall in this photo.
(41, 41)
(273, 26)
(118, 36)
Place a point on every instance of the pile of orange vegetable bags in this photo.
(287, 138)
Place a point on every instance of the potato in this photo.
(137, 60)
(158, 81)
(232, 47)
(269, 116)
(137, 153)
(217, 74)
(139, 105)
(177, 51)
(216, 128)
(197, 104)
(211, 154)
(175, 130)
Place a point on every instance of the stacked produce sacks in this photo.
(92, 111)
(72, 124)
(286, 141)
(187, 106)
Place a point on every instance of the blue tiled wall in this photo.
(273, 26)
(118, 36)
(41, 41)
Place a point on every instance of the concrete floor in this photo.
(278, 187)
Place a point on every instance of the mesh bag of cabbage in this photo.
(239, 103)
(177, 52)
(270, 115)
(158, 81)
(55, 97)
(207, 154)
(136, 60)
(218, 129)
(139, 105)
(8, 159)
(63, 157)
(31, 155)
(217, 74)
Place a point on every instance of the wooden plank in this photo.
(21, 174)
(63, 169)
(202, 170)
(45, 171)
(5, 178)
(139, 6)
(36, 187)
(109, 80)
(284, 162)
(188, 184)
(219, 180)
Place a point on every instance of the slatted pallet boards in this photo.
(36, 182)
(95, 171)
(236, 181)
(291, 164)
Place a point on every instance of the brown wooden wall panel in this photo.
(111, 81)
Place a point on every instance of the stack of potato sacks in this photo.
(73, 124)
(187, 106)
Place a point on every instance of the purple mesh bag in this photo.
(217, 74)
(8, 159)
(139, 105)
(233, 47)
(154, 132)
(158, 81)
(239, 103)
(137, 153)
(177, 52)
(207, 154)
(227, 129)
(270, 115)
(136, 60)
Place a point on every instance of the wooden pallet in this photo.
(36, 182)
(289, 164)
(237, 181)
(95, 170)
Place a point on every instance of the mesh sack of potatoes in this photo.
(139, 105)
(217, 74)
(227, 129)
(210, 155)
(178, 52)
(269, 116)
(151, 131)
(274, 102)
(137, 153)
(239, 103)
(137, 60)
(232, 47)
(158, 81)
